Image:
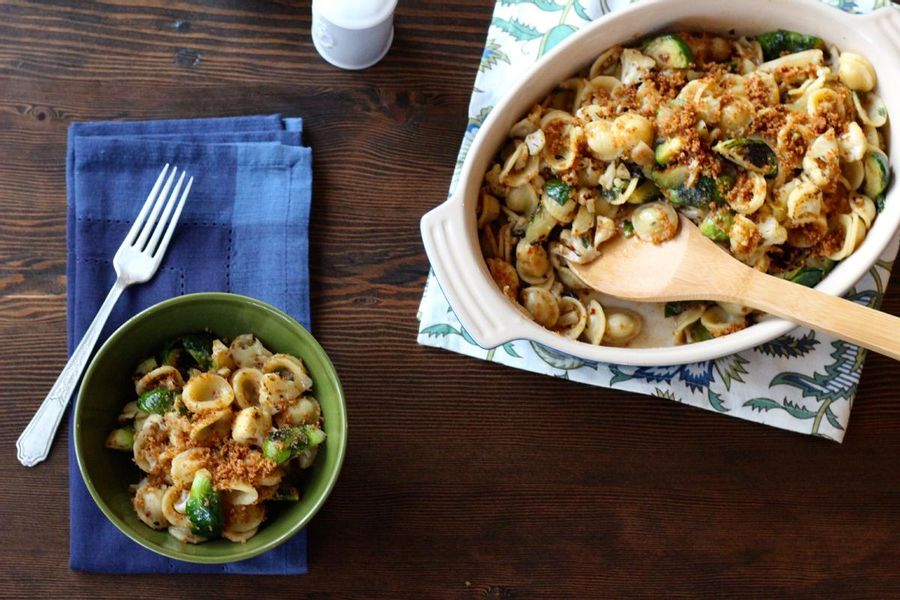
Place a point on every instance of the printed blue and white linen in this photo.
(804, 381)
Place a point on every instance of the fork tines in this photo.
(144, 235)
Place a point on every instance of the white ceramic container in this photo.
(353, 34)
(449, 231)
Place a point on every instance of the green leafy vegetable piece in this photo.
(558, 191)
(699, 333)
(286, 493)
(180, 407)
(171, 353)
(277, 446)
(716, 225)
(669, 51)
(878, 174)
(204, 506)
(808, 277)
(199, 346)
(627, 228)
(751, 154)
(723, 185)
(776, 43)
(699, 196)
(158, 400)
(643, 193)
(121, 439)
(673, 183)
(667, 150)
(811, 272)
(283, 444)
(676, 308)
(671, 178)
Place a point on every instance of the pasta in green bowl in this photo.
(205, 444)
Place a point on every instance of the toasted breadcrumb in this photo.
(232, 462)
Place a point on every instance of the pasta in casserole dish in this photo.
(774, 146)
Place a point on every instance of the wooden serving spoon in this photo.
(692, 267)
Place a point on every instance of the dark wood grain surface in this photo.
(463, 479)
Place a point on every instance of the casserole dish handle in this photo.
(885, 23)
(483, 312)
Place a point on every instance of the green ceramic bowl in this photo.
(107, 387)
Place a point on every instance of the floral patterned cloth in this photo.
(804, 381)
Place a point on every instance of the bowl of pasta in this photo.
(210, 428)
(766, 124)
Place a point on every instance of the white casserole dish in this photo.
(449, 231)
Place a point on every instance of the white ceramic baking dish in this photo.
(449, 231)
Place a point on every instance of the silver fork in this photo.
(136, 261)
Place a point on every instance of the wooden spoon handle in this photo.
(841, 318)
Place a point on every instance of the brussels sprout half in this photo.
(204, 506)
(776, 43)
(157, 400)
(283, 444)
(751, 154)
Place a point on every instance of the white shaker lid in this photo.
(355, 14)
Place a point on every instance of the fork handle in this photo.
(33, 445)
(867, 327)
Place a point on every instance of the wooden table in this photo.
(463, 479)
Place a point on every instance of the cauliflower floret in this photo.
(822, 161)
(853, 143)
(771, 231)
(635, 66)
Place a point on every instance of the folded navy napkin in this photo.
(244, 229)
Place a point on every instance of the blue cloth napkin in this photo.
(244, 229)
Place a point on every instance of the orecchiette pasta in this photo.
(718, 322)
(654, 222)
(247, 351)
(856, 72)
(251, 425)
(245, 522)
(622, 326)
(276, 392)
(544, 308)
(595, 328)
(148, 504)
(165, 376)
(239, 493)
(289, 368)
(773, 145)
(520, 167)
(186, 463)
(207, 446)
(246, 384)
(303, 411)
(210, 424)
(174, 505)
(207, 391)
(871, 111)
(572, 318)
